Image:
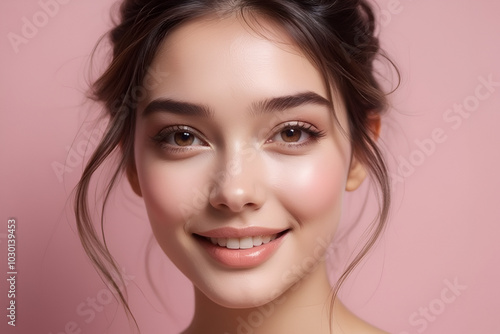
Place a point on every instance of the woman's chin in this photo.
(241, 304)
(240, 300)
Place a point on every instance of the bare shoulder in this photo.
(347, 322)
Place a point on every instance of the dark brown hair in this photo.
(338, 37)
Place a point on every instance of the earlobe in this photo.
(133, 179)
(357, 173)
(375, 124)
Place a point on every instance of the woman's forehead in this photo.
(208, 57)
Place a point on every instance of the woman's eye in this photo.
(183, 139)
(178, 137)
(295, 134)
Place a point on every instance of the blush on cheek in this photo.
(172, 193)
(316, 189)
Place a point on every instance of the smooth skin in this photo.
(221, 154)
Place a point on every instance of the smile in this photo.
(243, 243)
(227, 248)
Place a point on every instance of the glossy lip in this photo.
(241, 258)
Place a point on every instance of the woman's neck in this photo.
(303, 308)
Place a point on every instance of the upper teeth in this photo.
(243, 243)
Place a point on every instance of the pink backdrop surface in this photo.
(436, 268)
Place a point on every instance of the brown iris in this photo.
(291, 135)
(183, 138)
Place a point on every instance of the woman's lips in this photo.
(228, 247)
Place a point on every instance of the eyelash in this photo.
(162, 138)
(308, 128)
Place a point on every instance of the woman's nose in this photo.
(239, 185)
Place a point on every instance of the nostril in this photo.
(243, 191)
(235, 201)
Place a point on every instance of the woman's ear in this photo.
(357, 172)
(133, 179)
(374, 124)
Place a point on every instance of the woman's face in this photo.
(239, 160)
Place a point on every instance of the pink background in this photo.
(444, 225)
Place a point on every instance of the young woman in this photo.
(241, 123)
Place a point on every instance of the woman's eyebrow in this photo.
(176, 107)
(282, 103)
(274, 104)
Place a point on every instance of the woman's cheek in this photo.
(173, 191)
(313, 187)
